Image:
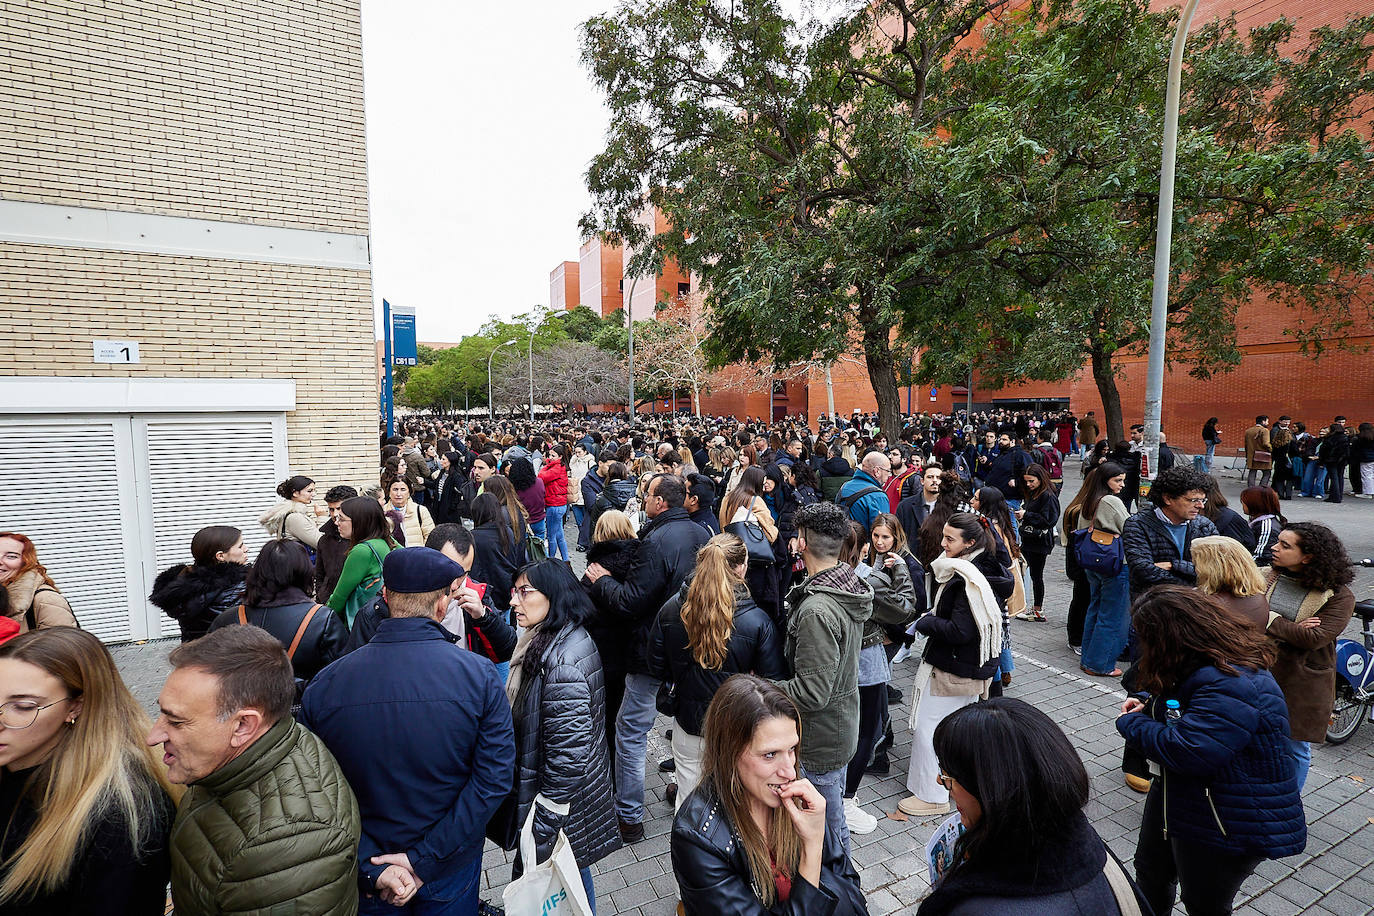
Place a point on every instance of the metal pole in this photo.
(630, 319)
(1164, 230)
(388, 395)
(532, 330)
(829, 394)
(968, 397)
(491, 403)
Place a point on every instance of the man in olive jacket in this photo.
(268, 824)
(824, 635)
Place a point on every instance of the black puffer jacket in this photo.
(953, 643)
(754, 647)
(1147, 542)
(614, 495)
(714, 877)
(669, 553)
(194, 595)
(611, 638)
(561, 750)
(324, 639)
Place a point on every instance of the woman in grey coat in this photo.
(557, 695)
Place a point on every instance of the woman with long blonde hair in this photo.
(752, 838)
(1227, 571)
(710, 630)
(87, 809)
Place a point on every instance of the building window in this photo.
(684, 290)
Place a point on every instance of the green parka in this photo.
(824, 634)
(272, 833)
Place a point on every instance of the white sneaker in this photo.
(1077, 650)
(859, 820)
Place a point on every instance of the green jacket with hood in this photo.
(824, 633)
(274, 832)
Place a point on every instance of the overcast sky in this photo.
(480, 125)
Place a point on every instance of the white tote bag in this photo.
(554, 886)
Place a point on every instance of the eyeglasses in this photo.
(23, 713)
(521, 592)
(1197, 501)
(945, 780)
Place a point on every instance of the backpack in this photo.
(847, 503)
(961, 468)
(1048, 456)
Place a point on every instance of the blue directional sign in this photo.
(404, 351)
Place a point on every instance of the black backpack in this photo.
(847, 502)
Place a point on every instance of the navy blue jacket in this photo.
(1229, 781)
(422, 730)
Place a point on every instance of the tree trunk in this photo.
(882, 373)
(1105, 378)
(696, 400)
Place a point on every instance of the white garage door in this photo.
(214, 471)
(64, 490)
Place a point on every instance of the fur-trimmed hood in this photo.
(188, 590)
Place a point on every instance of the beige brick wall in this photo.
(204, 318)
(248, 111)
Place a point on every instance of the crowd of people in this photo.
(414, 668)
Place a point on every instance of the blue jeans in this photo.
(553, 520)
(584, 536)
(632, 724)
(831, 787)
(1108, 618)
(540, 527)
(1012, 506)
(1314, 479)
(587, 884)
(455, 894)
(1207, 459)
(1302, 760)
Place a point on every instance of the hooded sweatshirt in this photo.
(824, 634)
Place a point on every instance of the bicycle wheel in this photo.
(1346, 715)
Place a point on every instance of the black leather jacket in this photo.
(194, 595)
(754, 647)
(713, 874)
(324, 639)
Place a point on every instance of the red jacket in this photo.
(555, 478)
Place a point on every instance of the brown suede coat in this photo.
(1306, 666)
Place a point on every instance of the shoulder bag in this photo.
(755, 541)
(1099, 552)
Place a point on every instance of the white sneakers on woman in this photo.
(859, 820)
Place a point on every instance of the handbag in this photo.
(552, 887)
(534, 547)
(1263, 458)
(361, 596)
(1039, 540)
(1099, 552)
(1016, 604)
(755, 541)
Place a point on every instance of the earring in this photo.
(72, 720)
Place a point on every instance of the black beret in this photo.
(416, 570)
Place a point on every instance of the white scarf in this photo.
(981, 601)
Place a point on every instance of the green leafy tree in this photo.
(1274, 195)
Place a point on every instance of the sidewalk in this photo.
(1334, 875)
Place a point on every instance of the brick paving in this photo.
(1334, 876)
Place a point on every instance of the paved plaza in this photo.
(1334, 875)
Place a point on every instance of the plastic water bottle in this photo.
(1172, 712)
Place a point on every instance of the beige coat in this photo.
(30, 592)
(417, 523)
(291, 519)
(1256, 440)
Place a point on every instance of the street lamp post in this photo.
(533, 330)
(491, 405)
(630, 321)
(1164, 231)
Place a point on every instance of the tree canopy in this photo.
(977, 182)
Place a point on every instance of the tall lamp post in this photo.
(491, 405)
(630, 321)
(1164, 231)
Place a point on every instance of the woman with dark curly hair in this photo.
(1310, 603)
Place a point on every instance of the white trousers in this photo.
(687, 750)
(922, 778)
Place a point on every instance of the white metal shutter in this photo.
(217, 471)
(62, 489)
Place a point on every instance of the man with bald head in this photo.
(863, 496)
